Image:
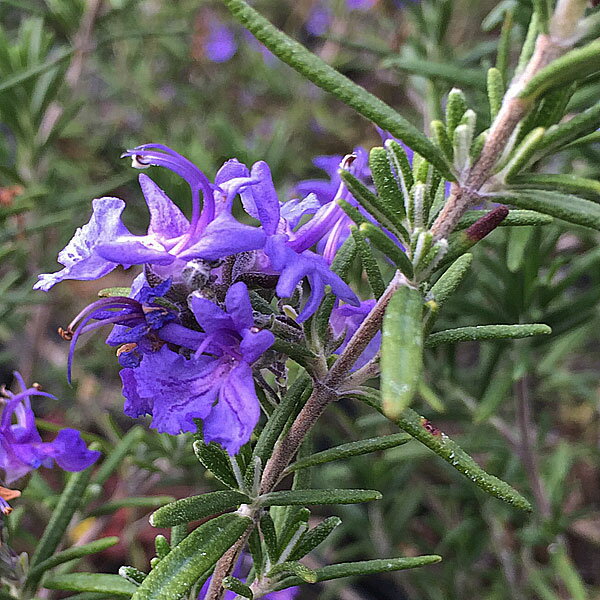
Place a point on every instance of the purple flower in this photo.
(80, 257)
(214, 384)
(220, 45)
(171, 240)
(241, 571)
(22, 447)
(361, 5)
(287, 250)
(136, 320)
(319, 20)
(345, 320)
(326, 189)
(331, 226)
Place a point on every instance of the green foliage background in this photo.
(82, 81)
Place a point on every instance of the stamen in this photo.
(126, 348)
(66, 334)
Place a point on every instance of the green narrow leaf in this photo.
(440, 135)
(486, 332)
(216, 460)
(383, 243)
(580, 125)
(236, 586)
(515, 218)
(297, 352)
(504, 45)
(564, 568)
(384, 214)
(304, 573)
(145, 502)
(269, 533)
(401, 350)
(369, 263)
(314, 537)
(575, 64)
(362, 568)
(185, 564)
(256, 551)
(570, 184)
(178, 533)
(456, 107)
(400, 166)
(308, 497)
(27, 74)
(562, 206)
(132, 574)
(351, 449)
(71, 554)
(523, 153)
(276, 423)
(68, 503)
(117, 454)
(326, 77)
(195, 508)
(342, 263)
(447, 284)
(517, 244)
(161, 546)
(388, 191)
(114, 291)
(464, 76)
(437, 441)
(91, 582)
(495, 393)
(495, 90)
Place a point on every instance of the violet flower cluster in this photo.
(187, 336)
(22, 448)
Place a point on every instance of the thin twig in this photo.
(527, 451)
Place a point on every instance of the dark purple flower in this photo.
(22, 447)
(136, 320)
(214, 384)
(345, 320)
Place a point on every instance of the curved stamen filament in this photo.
(160, 155)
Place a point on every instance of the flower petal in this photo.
(166, 219)
(80, 256)
(234, 417)
(223, 237)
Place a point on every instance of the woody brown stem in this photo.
(513, 109)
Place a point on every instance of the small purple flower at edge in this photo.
(22, 447)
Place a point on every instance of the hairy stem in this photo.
(512, 111)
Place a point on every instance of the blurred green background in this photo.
(81, 81)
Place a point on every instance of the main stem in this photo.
(513, 110)
(325, 391)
